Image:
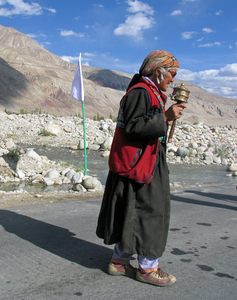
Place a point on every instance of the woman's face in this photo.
(168, 78)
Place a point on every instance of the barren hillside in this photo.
(33, 79)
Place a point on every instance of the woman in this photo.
(135, 210)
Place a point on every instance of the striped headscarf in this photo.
(158, 59)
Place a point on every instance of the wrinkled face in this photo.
(168, 78)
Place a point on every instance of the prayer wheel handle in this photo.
(180, 95)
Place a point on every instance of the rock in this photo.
(58, 181)
(53, 129)
(3, 163)
(105, 153)
(47, 181)
(107, 143)
(90, 183)
(64, 171)
(99, 186)
(112, 127)
(182, 152)
(232, 167)
(65, 180)
(70, 174)
(81, 144)
(20, 174)
(77, 178)
(217, 160)
(78, 187)
(94, 147)
(73, 147)
(32, 154)
(52, 174)
(10, 145)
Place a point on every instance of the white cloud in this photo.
(229, 70)
(176, 12)
(138, 6)
(87, 54)
(98, 5)
(86, 57)
(222, 82)
(219, 12)
(69, 58)
(188, 35)
(33, 35)
(52, 10)
(208, 30)
(20, 8)
(138, 20)
(208, 45)
(71, 32)
(199, 40)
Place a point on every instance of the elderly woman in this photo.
(135, 210)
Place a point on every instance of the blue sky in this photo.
(119, 34)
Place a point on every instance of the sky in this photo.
(119, 34)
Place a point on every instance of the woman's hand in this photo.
(174, 111)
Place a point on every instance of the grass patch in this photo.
(13, 154)
(45, 132)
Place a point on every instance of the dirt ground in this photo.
(22, 199)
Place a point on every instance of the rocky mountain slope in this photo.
(34, 79)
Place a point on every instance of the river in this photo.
(181, 176)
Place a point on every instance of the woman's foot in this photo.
(156, 277)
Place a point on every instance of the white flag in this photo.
(77, 84)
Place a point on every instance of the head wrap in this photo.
(158, 59)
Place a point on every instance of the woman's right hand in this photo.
(174, 111)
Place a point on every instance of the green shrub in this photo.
(44, 132)
(14, 154)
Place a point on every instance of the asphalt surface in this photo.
(50, 251)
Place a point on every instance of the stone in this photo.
(53, 129)
(64, 171)
(77, 177)
(94, 147)
(31, 153)
(58, 181)
(182, 152)
(70, 174)
(20, 174)
(73, 147)
(65, 180)
(10, 145)
(107, 143)
(78, 187)
(105, 153)
(81, 145)
(232, 167)
(3, 163)
(47, 181)
(52, 174)
(90, 183)
(112, 127)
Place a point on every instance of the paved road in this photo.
(50, 251)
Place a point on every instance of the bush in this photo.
(14, 154)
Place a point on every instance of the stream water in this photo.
(180, 175)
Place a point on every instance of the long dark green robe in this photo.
(134, 215)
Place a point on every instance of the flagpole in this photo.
(84, 126)
(78, 93)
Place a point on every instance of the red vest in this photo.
(135, 160)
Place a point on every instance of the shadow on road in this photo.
(216, 196)
(57, 240)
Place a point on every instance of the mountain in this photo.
(34, 79)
